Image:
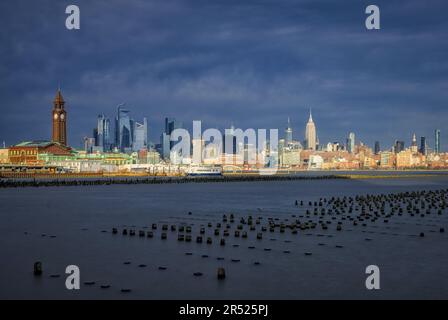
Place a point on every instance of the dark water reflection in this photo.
(411, 267)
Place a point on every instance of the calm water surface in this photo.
(80, 220)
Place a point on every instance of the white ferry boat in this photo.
(204, 171)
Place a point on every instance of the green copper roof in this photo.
(36, 143)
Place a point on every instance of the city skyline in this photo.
(225, 67)
(130, 135)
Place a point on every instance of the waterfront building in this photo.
(289, 155)
(409, 159)
(59, 120)
(153, 157)
(28, 152)
(404, 159)
(310, 134)
(315, 162)
(290, 158)
(387, 160)
(437, 141)
(4, 155)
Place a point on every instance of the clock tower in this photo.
(59, 118)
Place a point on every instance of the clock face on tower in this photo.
(62, 116)
(55, 116)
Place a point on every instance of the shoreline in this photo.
(66, 181)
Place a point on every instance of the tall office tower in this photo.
(399, 146)
(123, 130)
(377, 147)
(102, 133)
(414, 147)
(59, 116)
(89, 144)
(168, 122)
(165, 139)
(288, 133)
(229, 141)
(172, 124)
(437, 141)
(165, 145)
(351, 142)
(95, 137)
(423, 145)
(140, 135)
(310, 134)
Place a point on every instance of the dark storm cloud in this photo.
(253, 63)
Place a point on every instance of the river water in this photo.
(62, 226)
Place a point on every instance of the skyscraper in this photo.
(351, 142)
(123, 130)
(171, 124)
(399, 146)
(437, 141)
(414, 147)
(310, 134)
(140, 135)
(288, 133)
(423, 145)
(377, 147)
(165, 139)
(102, 133)
(59, 115)
(229, 141)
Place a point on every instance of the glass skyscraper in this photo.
(140, 135)
(351, 142)
(437, 141)
(102, 133)
(123, 130)
(377, 147)
(171, 124)
(423, 145)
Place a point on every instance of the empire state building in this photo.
(310, 134)
(59, 118)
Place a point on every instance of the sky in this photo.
(253, 63)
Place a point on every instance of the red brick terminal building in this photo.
(27, 152)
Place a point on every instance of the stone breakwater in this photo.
(10, 183)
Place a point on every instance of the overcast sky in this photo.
(253, 63)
